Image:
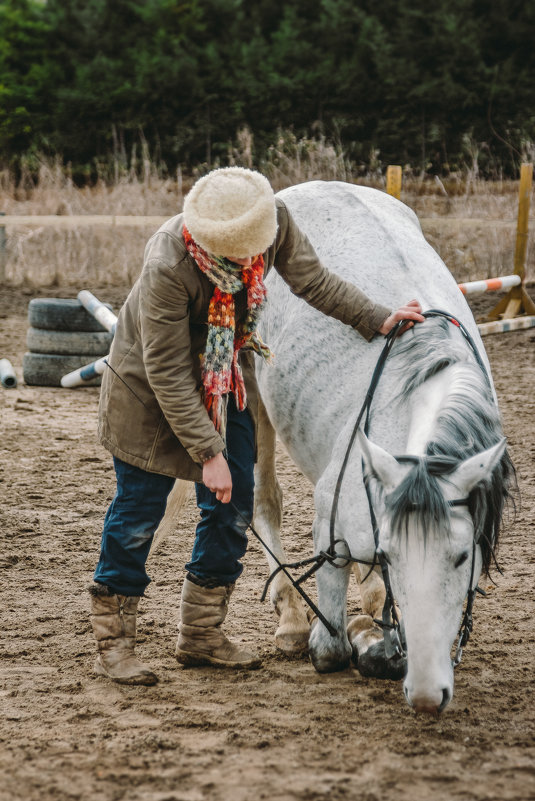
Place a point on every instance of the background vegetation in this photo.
(471, 224)
(107, 84)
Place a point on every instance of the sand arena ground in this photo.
(283, 732)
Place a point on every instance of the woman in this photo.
(180, 400)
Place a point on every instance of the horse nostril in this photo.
(425, 704)
(446, 698)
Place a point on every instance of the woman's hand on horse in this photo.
(410, 311)
(216, 476)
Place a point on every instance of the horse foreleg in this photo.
(293, 630)
(365, 636)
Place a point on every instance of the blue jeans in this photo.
(139, 505)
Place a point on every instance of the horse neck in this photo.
(427, 401)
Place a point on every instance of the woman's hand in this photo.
(216, 476)
(411, 311)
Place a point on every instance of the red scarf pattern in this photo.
(221, 372)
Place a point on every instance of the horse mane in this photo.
(468, 423)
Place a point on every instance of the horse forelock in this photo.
(468, 422)
(419, 501)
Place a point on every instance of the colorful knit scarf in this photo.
(221, 372)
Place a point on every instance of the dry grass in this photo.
(40, 257)
(85, 257)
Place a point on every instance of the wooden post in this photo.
(517, 301)
(393, 181)
(524, 197)
(2, 250)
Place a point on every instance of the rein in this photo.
(394, 639)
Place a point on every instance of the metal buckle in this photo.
(393, 646)
(333, 557)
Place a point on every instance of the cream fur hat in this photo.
(231, 212)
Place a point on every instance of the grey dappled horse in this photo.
(433, 400)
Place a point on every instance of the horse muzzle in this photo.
(428, 702)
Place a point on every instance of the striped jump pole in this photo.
(99, 311)
(84, 374)
(502, 326)
(489, 284)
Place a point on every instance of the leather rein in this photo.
(338, 553)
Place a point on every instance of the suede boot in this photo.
(200, 639)
(113, 618)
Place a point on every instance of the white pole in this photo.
(99, 311)
(84, 374)
(8, 378)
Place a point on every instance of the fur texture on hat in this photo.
(231, 212)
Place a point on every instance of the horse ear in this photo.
(379, 463)
(477, 468)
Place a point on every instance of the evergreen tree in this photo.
(91, 78)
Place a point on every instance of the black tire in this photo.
(65, 343)
(62, 314)
(45, 370)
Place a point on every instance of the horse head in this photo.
(428, 537)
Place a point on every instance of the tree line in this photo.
(432, 85)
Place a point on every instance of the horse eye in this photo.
(462, 558)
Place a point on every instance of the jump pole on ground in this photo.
(84, 374)
(107, 319)
(99, 311)
(8, 378)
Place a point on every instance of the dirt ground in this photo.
(282, 732)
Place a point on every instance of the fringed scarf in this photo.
(221, 372)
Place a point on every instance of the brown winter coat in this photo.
(151, 412)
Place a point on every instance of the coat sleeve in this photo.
(298, 264)
(165, 337)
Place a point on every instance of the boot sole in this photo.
(145, 680)
(192, 659)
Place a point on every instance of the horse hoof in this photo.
(330, 665)
(373, 664)
(330, 661)
(292, 643)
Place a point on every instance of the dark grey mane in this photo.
(468, 423)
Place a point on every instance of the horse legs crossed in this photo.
(365, 635)
(293, 630)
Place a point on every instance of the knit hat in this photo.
(231, 212)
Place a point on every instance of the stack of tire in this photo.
(63, 336)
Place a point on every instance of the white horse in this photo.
(433, 399)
